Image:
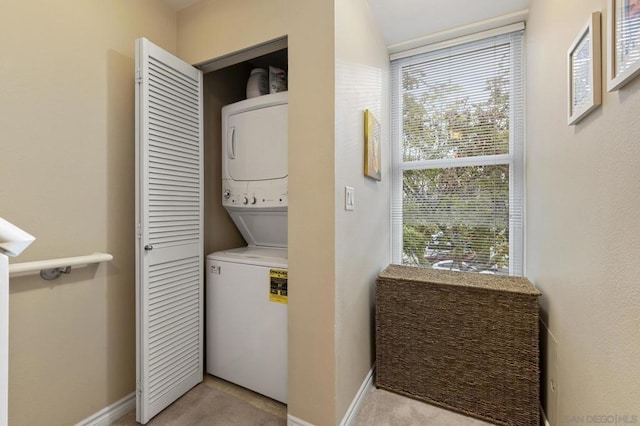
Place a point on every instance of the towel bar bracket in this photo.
(54, 273)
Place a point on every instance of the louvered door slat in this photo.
(165, 181)
(172, 189)
(169, 246)
(162, 241)
(170, 109)
(168, 299)
(166, 190)
(172, 152)
(160, 387)
(176, 269)
(163, 87)
(168, 104)
(178, 120)
(171, 200)
(160, 167)
(162, 124)
(172, 98)
(170, 323)
(162, 134)
(171, 213)
(175, 187)
(177, 99)
(169, 345)
(164, 164)
(163, 128)
(174, 79)
(163, 313)
(173, 222)
(172, 349)
(172, 364)
(159, 147)
(163, 178)
(167, 156)
(165, 283)
(173, 360)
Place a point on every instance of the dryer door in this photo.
(257, 144)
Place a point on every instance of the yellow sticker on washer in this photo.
(278, 286)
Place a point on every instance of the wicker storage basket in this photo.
(466, 342)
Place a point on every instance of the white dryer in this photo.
(246, 288)
(254, 168)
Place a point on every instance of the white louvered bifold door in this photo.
(169, 288)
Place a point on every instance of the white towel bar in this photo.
(52, 268)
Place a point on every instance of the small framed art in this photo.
(372, 151)
(623, 42)
(584, 71)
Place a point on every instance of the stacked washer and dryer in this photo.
(246, 297)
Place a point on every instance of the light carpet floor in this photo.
(382, 408)
(217, 402)
(204, 405)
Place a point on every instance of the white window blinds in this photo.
(458, 131)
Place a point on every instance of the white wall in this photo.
(583, 220)
(362, 238)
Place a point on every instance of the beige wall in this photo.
(583, 220)
(311, 211)
(214, 28)
(67, 167)
(67, 125)
(221, 88)
(362, 236)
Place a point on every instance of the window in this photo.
(458, 136)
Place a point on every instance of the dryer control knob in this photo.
(226, 194)
(253, 200)
(245, 200)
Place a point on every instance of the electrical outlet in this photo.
(349, 198)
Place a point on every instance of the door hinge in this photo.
(138, 76)
(139, 385)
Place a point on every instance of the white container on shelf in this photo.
(258, 83)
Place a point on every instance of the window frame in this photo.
(514, 34)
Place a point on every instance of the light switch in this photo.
(349, 198)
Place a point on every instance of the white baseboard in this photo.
(544, 417)
(354, 408)
(110, 414)
(294, 421)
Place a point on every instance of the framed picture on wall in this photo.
(584, 71)
(623, 40)
(372, 151)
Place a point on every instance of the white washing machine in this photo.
(246, 331)
(246, 288)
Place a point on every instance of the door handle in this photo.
(148, 247)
